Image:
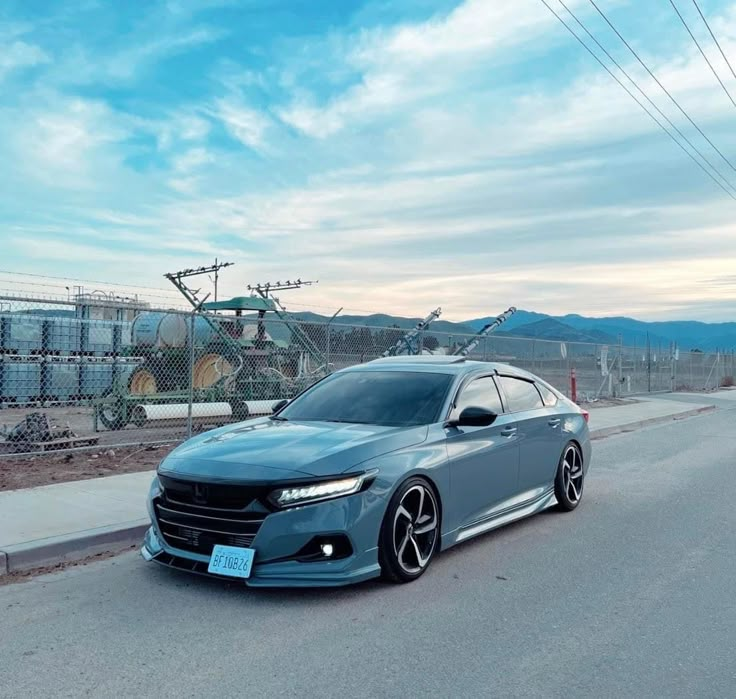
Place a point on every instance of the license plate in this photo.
(232, 561)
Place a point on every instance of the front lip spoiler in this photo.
(281, 579)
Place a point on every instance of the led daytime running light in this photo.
(318, 491)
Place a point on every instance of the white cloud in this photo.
(129, 62)
(182, 126)
(18, 55)
(404, 64)
(60, 141)
(247, 125)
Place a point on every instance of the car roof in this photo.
(440, 364)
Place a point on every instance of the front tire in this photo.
(410, 532)
(569, 479)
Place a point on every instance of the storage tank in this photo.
(64, 335)
(62, 381)
(160, 330)
(20, 382)
(95, 378)
(99, 338)
(170, 330)
(21, 334)
(126, 335)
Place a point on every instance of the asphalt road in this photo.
(631, 595)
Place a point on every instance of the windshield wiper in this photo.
(278, 418)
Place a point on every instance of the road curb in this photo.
(71, 547)
(632, 426)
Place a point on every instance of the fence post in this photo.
(573, 386)
(327, 350)
(191, 376)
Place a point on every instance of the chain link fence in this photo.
(85, 373)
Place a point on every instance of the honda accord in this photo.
(370, 472)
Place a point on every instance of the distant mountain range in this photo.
(688, 335)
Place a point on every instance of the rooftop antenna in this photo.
(266, 289)
(189, 293)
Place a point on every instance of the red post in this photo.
(573, 386)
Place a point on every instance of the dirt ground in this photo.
(30, 471)
(26, 575)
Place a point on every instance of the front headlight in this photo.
(316, 492)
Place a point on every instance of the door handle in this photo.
(508, 431)
(554, 422)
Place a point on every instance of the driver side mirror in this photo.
(474, 416)
(281, 404)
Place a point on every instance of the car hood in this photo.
(268, 450)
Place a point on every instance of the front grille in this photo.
(197, 516)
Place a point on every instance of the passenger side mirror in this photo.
(281, 404)
(475, 416)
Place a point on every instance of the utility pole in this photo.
(217, 267)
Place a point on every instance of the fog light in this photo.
(327, 549)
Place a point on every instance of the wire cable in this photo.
(664, 89)
(646, 97)
(633, 96)
(702, 53)
(705, 21)
(74, 279)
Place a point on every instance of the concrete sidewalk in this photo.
(68, 521)
(605, 422)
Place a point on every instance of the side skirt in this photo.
(540, 503)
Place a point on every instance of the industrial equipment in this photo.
(36, 433)
(221, 353)
(471, 343)
(409, 344)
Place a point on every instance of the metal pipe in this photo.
(154, 412)
(151, 412)
(465, 349)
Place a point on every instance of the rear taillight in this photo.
(585, 414)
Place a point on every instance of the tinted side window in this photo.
(549, 398)
(482, 393)
(521, 395)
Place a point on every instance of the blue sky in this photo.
(406, 154)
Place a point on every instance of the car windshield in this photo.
(396, 398)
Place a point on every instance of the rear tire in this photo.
(410, 532)
(570, 478)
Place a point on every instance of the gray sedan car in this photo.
(372, 471)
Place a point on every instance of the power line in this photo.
(664, 89)
(644, 94)
(702, 53)
(74, 279)
(705, 21)
(633, 96)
